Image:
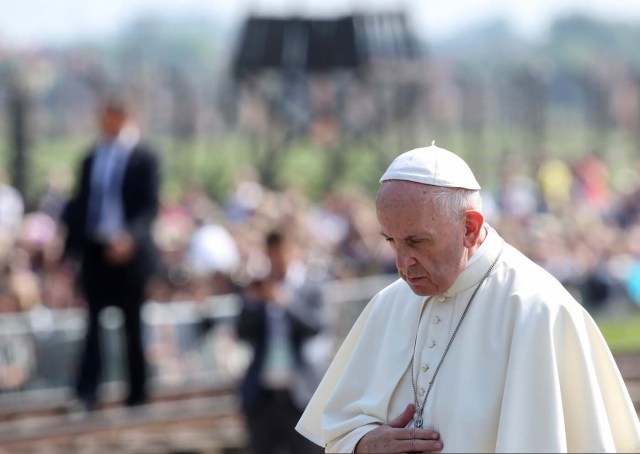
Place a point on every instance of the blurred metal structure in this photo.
(327, 80)
(17, 113)
(314, 45)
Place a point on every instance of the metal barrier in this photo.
(186, 343)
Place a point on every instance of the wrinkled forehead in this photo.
(392, 191)
(404, 199)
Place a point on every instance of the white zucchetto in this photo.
(432, 165)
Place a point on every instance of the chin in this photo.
(421, 286)
(421, 290)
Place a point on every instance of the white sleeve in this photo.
(347, 443)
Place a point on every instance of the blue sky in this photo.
(34, 22)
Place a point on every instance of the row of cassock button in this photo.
(432, 343)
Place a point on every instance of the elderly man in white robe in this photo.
(475, 348)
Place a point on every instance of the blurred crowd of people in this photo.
(579, 221)
(573, 218)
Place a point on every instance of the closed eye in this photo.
(387, 239)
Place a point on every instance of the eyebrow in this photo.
(408, 238)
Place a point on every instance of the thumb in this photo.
(405, 417)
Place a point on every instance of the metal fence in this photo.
(186, 343)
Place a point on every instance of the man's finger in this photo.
(412, 433)
(405, 417)
(418, 445)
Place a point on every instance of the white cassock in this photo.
(528, 371)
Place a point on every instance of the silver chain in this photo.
(420, 407)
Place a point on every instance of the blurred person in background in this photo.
(23, 281)
(591, 183)
(555, 180)
(172, 231)
(211, 254)
(246, 195)
(212, 257)
(518, 196)
(280, 314)
(108, 222)
(11, 213)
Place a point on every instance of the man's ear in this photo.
(473, 223)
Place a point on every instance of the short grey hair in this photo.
(454, 202)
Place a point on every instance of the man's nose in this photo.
(404, 259)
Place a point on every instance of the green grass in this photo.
(622, 334)
(214, 163)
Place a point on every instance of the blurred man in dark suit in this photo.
(109, 222)
(280, 314)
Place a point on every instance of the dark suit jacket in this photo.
(305, 316)
(140, 188)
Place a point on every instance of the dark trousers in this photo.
(271, 422)
(91, 361)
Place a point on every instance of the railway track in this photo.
(199, 419)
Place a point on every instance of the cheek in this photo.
(428, 260)
(439, 261)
